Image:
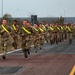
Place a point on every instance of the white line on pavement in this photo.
(14, 51)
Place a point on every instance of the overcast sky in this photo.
(42, 8)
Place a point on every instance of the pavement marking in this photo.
(72, 71)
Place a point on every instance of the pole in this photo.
(2, 8)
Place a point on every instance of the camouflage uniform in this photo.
(45, 28)
(73, 27)
(65, 33)
(41, 36)
(69, 34)
(5, 38)
(47, 34)
(26, 40)
(61, 33)
(15, 31)
(56, 34)
(36, 38)
(51, 34)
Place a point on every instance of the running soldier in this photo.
(25, 33)
(42, 35)
(69, 33)
(15, 31)
(5, 32)
(36, 37)
(51, 33)
(56, 33)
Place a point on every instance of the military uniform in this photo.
(69, 34)
(41, 36)
(73, 27)
(51, 34)
(36, 38)
(26, 33)
(56, 34)
(4, 38)
(65, 33)
(15, 31)
(61, 33)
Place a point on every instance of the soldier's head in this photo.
(40, 25)
(15, 22)
(51, 25)
(46, 25)
(4, 22)
(25, 23)
(43, 22)
(72, 24)
(28, 24)
(68, 24)
(35, 25)
(56, 23)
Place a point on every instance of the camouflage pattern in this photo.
(4, 39)
(15, 36)
(26, 40)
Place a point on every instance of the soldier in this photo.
(62, 33)
(51, 33)
(5, 32)
(41, 34)
(56, 35)
(73, 27)
(45, 28)
(69, 33)
(36, 36)
(47, 32)
(65, 32)
(25, 33)
(15, 31)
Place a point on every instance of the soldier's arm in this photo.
(21, 32)
(1, 30)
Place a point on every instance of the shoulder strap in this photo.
(41, 30)
(14, 27)
(4, 28)
(26, 30)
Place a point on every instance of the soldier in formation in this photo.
(36, 35)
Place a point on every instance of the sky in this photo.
(41, 8)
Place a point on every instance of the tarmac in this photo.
(50, 60)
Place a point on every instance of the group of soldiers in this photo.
(36, 35)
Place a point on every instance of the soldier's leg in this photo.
(24, 49)
(46, 37)
(74, 35)
(25, 52)
(51, 41)
(4, 50)
(71, 36)
(28, 50)
(60, 36)
(36, 45)
(68, 37)
(43, 40)
(50, 38)
(14, 42)
(54, 38)
(40, 43)
(57, 38)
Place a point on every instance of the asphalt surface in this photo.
(50, 60)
